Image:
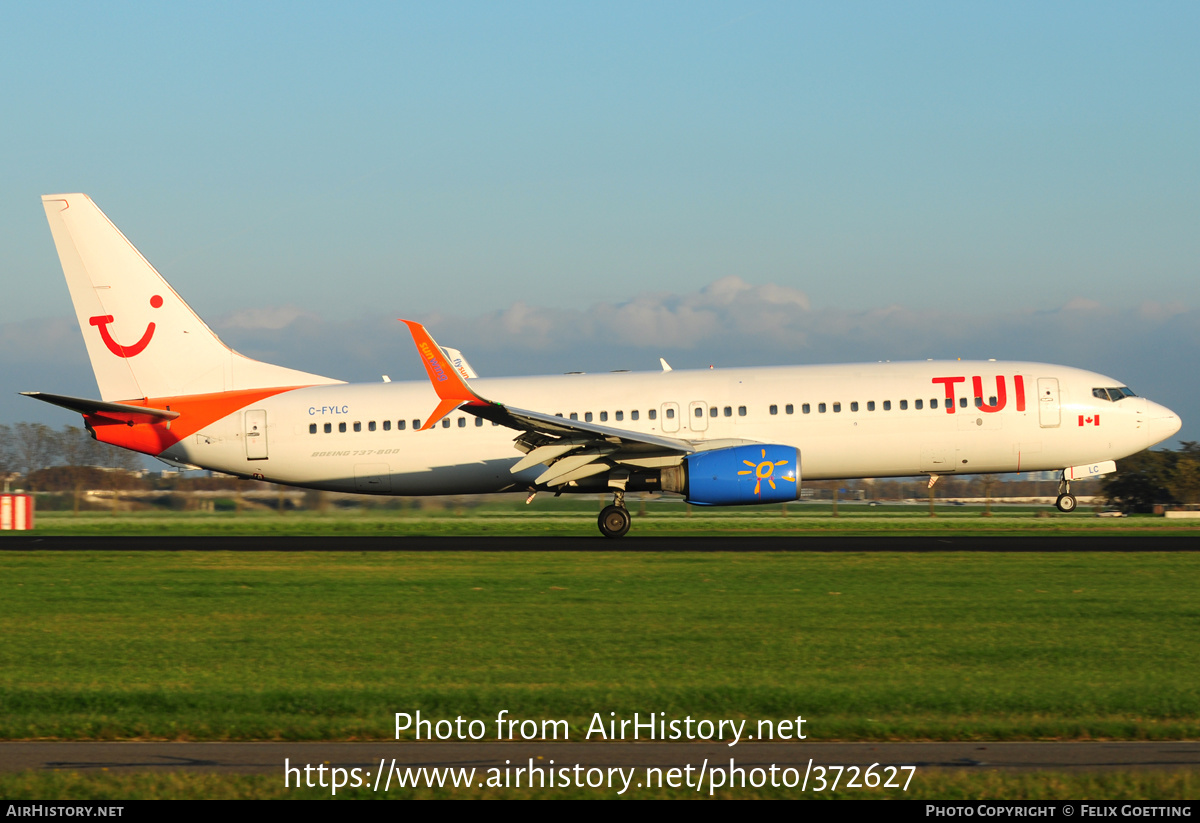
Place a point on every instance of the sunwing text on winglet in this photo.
(446, 380)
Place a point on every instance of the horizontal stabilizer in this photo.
(116, 411)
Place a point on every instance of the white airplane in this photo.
(170, 388)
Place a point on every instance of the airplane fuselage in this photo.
(848, 421)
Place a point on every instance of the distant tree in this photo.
(1141, 481)
(1183, 479)
(126, 470)
(8, 460)
(65, 478)
(35, 446)
(80, 455)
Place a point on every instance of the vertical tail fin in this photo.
(142, 338)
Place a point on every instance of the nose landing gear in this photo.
(1066, 501)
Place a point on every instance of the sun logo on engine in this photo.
(765, 470)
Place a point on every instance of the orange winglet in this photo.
(446, 380)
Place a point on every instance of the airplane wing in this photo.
(570, 449)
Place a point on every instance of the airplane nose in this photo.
(1163, 422)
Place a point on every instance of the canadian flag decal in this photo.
(1090, 420)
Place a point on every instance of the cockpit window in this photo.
(1113, 394)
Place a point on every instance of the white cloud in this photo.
(1156, 311)
(652, 319)
(1081, 304)
(272, 318)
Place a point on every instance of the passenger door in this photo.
(256, 434)
(1049, 411)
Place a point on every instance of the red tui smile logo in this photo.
(102, 321)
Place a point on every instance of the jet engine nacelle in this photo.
(737, 476)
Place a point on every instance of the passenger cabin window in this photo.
(587, 417)
(371, 426)
(670, 414)
(773, 410)
(328, 428)
(788, 409)
(652, 414)
(729, 411)
(312, 428)
(918, 404)
(445, 422)
(620, 415)
(462, 422)
(699, 412)
(478, 422)
(713, 411)
(741, 411)
(574, 415)
(903, 405)
(416, 423)
(400, 425)
(387, 425)
(806, 408)
(870, 405)
(933, 403)
(341, 427)
(837, 408)
(633, 415)
(962, 401)
(854, 406)
(821, 408)
(887, 405)
(603, 417)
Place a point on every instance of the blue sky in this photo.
(931, 179)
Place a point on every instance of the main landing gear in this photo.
(614, 520)
(1066, 501)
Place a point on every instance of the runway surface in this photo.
(268, 758)
(335, 543)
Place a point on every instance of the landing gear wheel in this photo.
(613, 521)
(1066, 503)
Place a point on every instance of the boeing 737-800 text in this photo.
(170, 388)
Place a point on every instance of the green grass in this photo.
(328, 646)
(926, 785)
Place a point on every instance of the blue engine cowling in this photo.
(743, 475)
